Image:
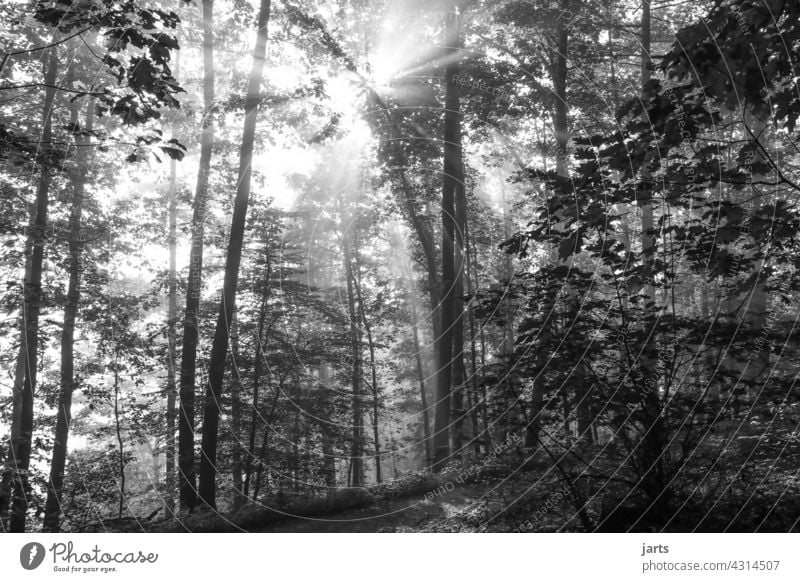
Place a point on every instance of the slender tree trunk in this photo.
(426, 423)
(172, 313)
(654, 446)
(479, 436)
(8, 479)
(459, 372)
(561, 131)
(443, 342)
(483, 396)
(120, 442)
(236, 419)
(295, 460)
(219, 348)
(357, 443)
(260, 339)
(513, 406)
(375, 407)
(76, 237)
(484, 391)
(373, 371)
(21, 447)
(262, 451)
(186, 428)
(328, 457)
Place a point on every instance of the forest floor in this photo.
(503, 497)
(514, 492)
(452, 510)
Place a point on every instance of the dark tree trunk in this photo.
(374, 374)
(452, 173)
(477, 404)
(357, 443)
(208, 457)
(326, 432)
(120, 442)
(8, 479)
(260, 339)
(186, 428)
(21, 440)
(655, 476)
(236, 419)
(172, 313)
(296, 435)
(426, 423)
(459, 372)
(76, 237)
(561, 131)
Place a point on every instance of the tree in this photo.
(452, 190)
(186, 428)
(219, 349)
(22, 430)
(76, 235)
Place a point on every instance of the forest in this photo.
(408, 266)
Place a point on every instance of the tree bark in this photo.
(477, 405)
(357, 443)
(459, 372)
(373, 371)
(561, 131)
(260, 339)
(443, 341)
(328, 456)
(120, 442)
(67, 385)
(186, 427)
(208, 457)
(172, 313)
(426, 423)
(21, 445)
(236, 419)
(654, 478)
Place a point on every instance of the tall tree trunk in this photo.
(357, 444)
(219, 349)
(236, 419)
(459, 372)
(477, 405)
(443, 342)
(76, 238)
(296, 435)
(120, 442)
(654, 446)
(483, 396)
(375, 405)
(373, 371)
(514, 408)
(426, 423)
(22, 437)
(559, 72)
(186, 428)
(8, 479)
(172, 313)
(328, 456)
(260, 339)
